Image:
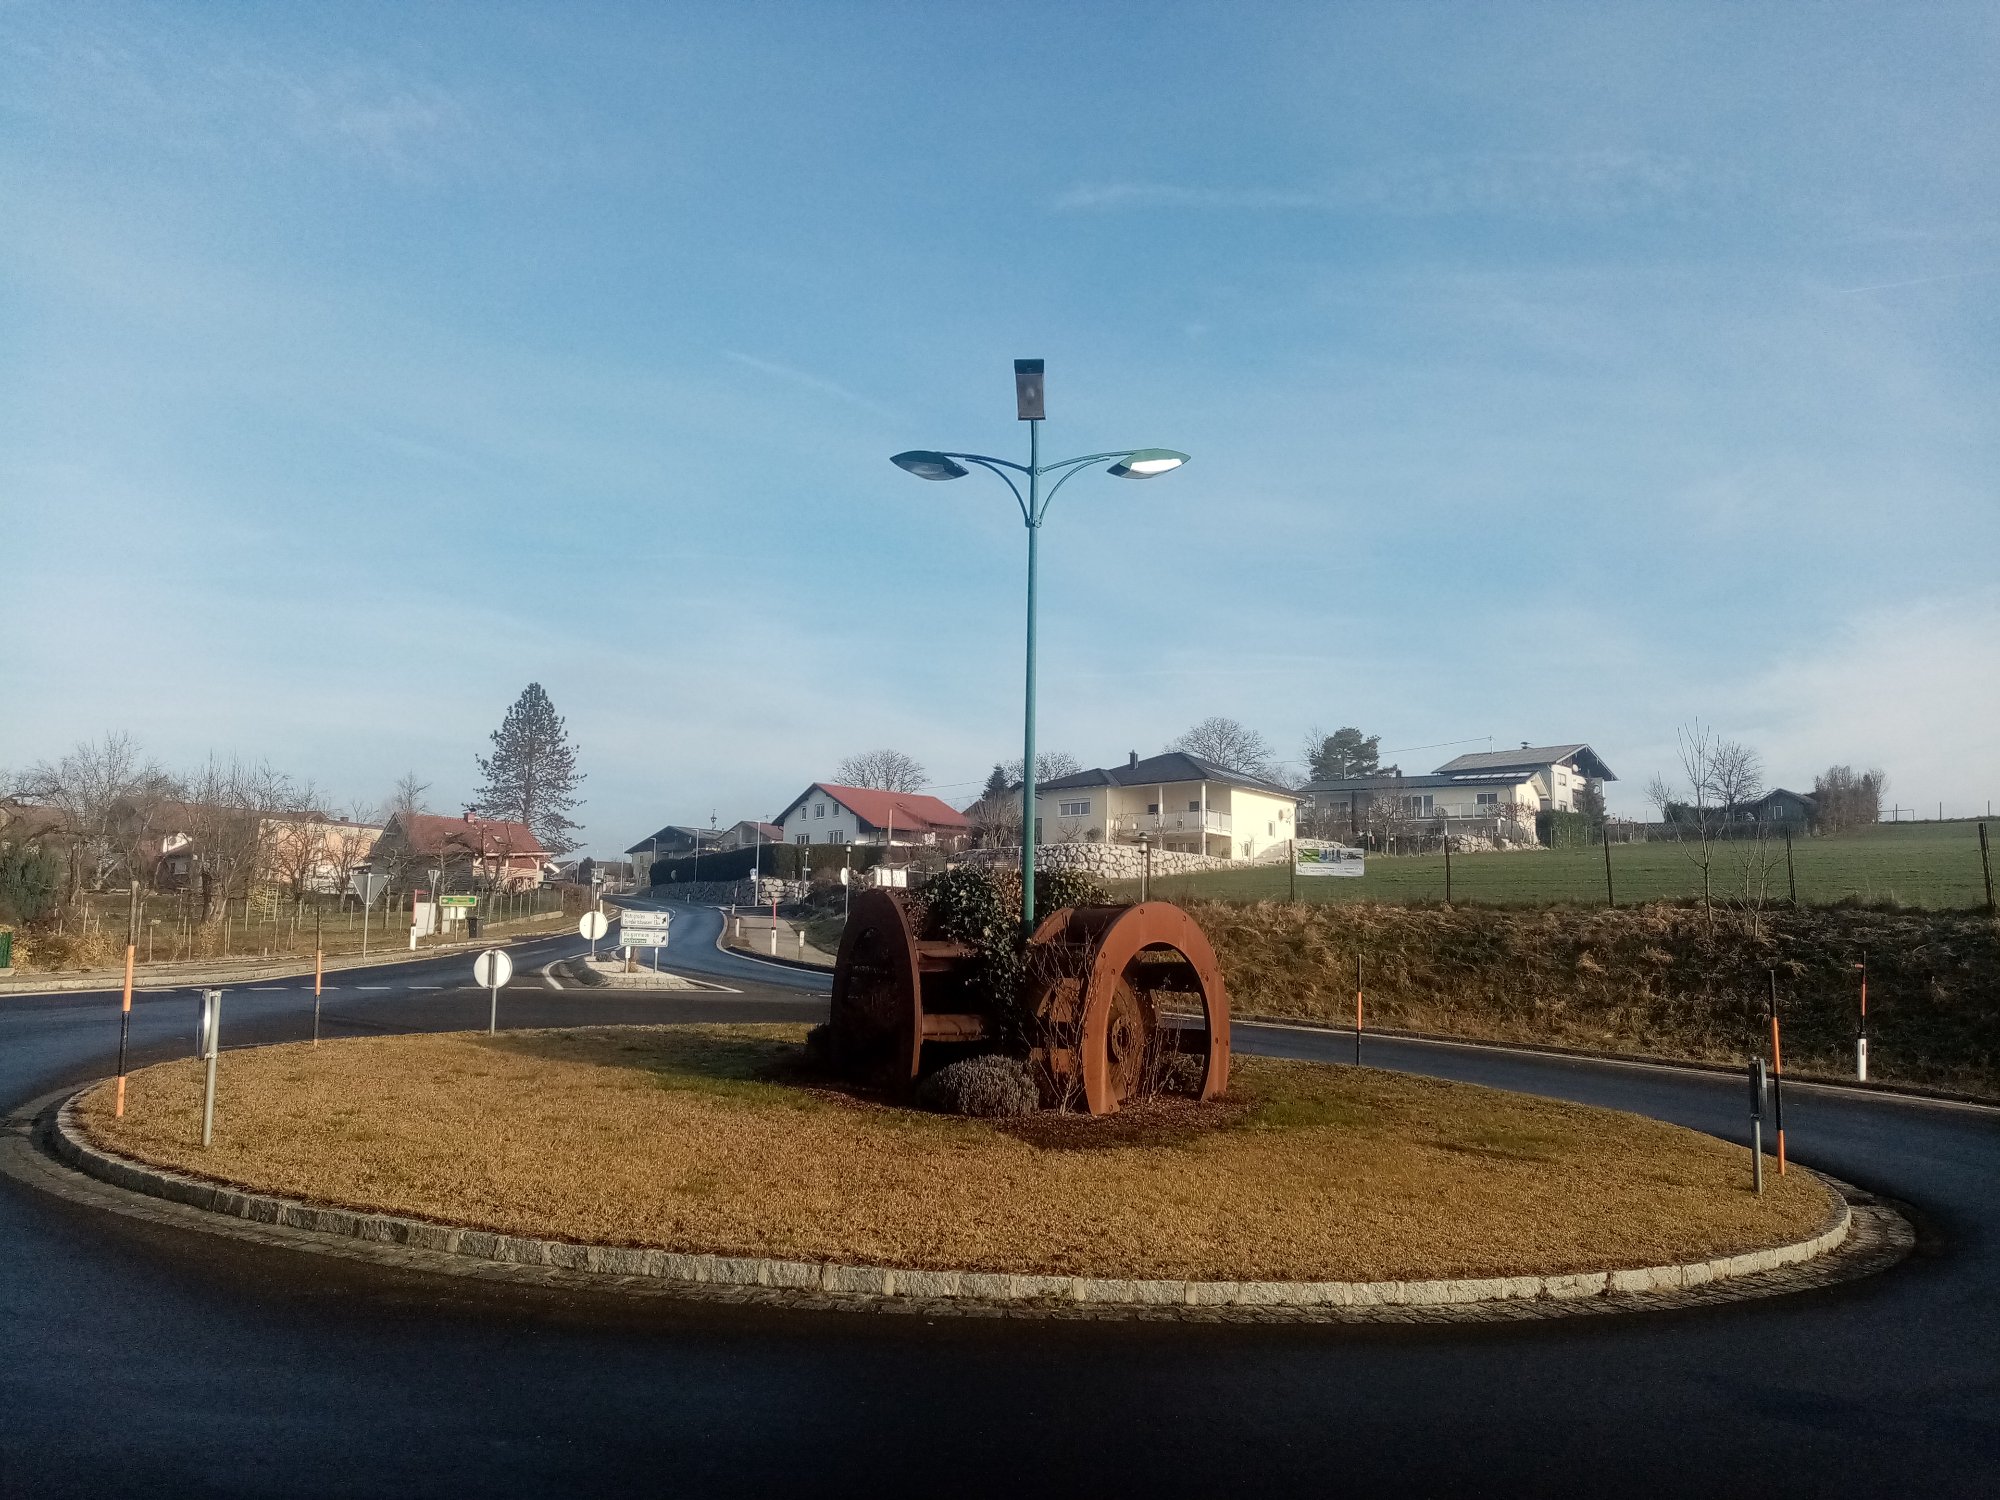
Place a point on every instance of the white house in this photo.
(1561, 773)
(1512, 785)
(827, 813)
(1179, 800)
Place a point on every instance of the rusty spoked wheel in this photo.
(1101, 973)
(877, 1011)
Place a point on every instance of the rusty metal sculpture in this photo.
(1114, 991)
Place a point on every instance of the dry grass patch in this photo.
(707, 1139)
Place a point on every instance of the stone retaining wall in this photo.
(1105, 861)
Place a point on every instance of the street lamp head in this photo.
(927, 465)
(1147, 462)
(1028, 390)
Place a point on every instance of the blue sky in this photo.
(1550, 373)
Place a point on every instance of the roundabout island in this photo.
(721, 1155)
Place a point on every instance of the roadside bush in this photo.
(819, 1047)
(30, 883)
(988, 1087)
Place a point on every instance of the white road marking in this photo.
(374, 986)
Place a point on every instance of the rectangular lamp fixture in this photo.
(1028, 389)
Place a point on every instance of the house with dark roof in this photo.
(1178, 801)
(1506, 786)
(828, 813)
(1561, 773)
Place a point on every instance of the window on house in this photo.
(1074, 809)
(835, 836)
(1271, 830)
(1487, 799)
(819, 809)
(1194, 804)
(1153, 807)
(802, 838)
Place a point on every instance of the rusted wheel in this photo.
(877, 1014)
(1103, 974)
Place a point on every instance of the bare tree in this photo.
(885, 770)
(1721, 778)
(1229, 745)
(89, 789)
(408, 796)
(1049, 765)
(1842, 799)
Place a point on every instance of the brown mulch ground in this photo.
(706, 1139)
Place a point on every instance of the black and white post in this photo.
(1757, 1125)
(211, 1044)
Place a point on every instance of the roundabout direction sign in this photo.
(491, 971)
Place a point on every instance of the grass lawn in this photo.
(709, 1139)
(1932, 865)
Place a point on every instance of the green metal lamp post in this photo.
(1127, 463)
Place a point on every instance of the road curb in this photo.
(1757, 1273)
(289, 967)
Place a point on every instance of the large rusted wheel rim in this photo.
(876, 1016)
(1111, 1008)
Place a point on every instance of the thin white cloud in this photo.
(1890, 286)
(1545, 184)
(810, 381)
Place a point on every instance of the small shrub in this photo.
(988, 1087)
(819, 1046)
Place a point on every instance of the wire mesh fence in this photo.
(1939, 866)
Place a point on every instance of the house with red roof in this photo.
(827, 813)
(487, 852)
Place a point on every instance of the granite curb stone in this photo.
(792, 1277)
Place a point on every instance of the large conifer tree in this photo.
(531, 777)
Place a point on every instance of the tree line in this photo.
(108, 814)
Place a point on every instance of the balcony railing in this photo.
(1171, 822)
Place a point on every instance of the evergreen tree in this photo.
(531, 777)
(1345, 752)
(997, 785)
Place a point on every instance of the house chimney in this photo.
(1524, 744)
(1131, 757)
(468, 815)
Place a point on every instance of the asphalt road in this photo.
(141, 1360)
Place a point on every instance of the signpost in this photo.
(591, 926)
(368, 884)
(644, 929)
(1333, 859)
(491, 971)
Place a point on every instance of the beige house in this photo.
(1179, 801)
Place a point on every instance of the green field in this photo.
(1930, 865)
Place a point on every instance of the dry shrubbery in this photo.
(986, 1087)
(1652, 979)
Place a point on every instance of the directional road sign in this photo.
(643, 929)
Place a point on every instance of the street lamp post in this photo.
(1127, 463)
